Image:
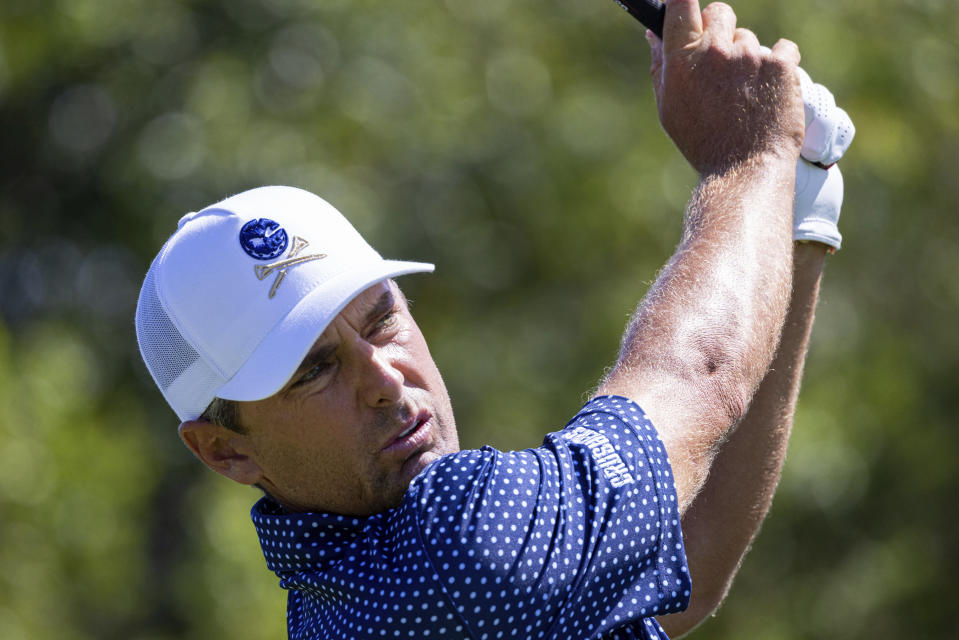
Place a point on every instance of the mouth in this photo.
(412, 428)
(416, 435)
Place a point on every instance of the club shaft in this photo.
(649, 12)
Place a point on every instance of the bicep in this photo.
(689, 420)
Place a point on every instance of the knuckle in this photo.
(747, 38)
(719, 15)
(786, 48)
(719, 7)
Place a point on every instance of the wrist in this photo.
(782, 156)
(810, 251)
(780, 163)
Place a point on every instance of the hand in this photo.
(829, 129)
(721, 98)
(819, 183)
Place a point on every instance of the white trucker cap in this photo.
(242, 289)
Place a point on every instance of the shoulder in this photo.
(614, 411)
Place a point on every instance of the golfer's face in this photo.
(366, 411)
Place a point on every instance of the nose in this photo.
(379, 382)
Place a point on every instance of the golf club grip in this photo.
(648, 12)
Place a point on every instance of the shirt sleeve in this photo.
(575, 538)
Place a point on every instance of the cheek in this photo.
(432, 378)
(298, 445)
(315, 466)
(411, 349)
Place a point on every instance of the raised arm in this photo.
(726, 515)
(702, 339)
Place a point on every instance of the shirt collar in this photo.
(294, 542)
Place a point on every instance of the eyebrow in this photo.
(322, 352)
(383, 304)
(313, 358)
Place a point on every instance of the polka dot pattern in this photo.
(578, 538)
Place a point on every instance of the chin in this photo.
(392, 496)
(414, 465)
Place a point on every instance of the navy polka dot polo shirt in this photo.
(576, 539)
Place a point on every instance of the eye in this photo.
(387, 321)
(314, 372)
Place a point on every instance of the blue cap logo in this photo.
(263, 239)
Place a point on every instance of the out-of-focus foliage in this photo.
(515, 144)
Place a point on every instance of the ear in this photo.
(221, 449)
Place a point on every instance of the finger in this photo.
(746, 40)
(787, 50)
(719, 21)
(682, 25)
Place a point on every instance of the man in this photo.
(288, 351)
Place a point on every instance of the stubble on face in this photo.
(403, 440)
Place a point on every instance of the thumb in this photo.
(682, 25)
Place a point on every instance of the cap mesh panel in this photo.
(168, 355)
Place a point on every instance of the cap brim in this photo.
(280, 353)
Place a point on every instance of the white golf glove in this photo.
(819, 187)
(816, 204)
(829, 130)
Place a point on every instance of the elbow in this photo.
(725, 380)
(729, 395)
(729, 356)
(703, 604)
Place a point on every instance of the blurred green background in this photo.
(515, 145)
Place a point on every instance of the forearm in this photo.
(704, 335)
(726, 515)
